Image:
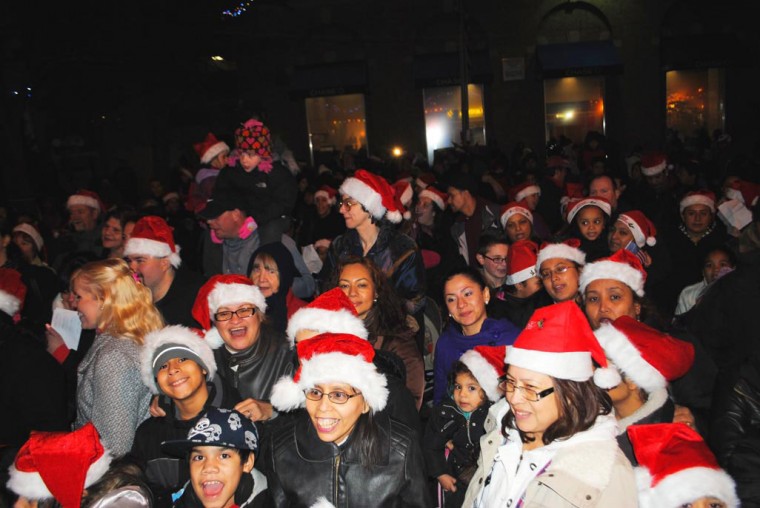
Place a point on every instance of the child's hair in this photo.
(461, 368)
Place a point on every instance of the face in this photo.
(239, 334)
(356, 281)
(128, 227)
(466, 301)
(715, 262)
(180, 378)
(266, 276)
(112, 235)
(25, 243)
(456, 199)
(353, 213)
(467, 393)
(518, 227)
(323, 205)
(608, 299)
(603, 187)
(82, 218)
(249, 160)
(533, 418)
(334, 422)
(149, 270)
(620, 236)
(86, 304)
(658, 182)
(226, 225)
(697, 218)
(560, 278)
(706, 502)
(220, 160)
(624, 392)
(590, 221)
(215, 474)
(496, 269)
(531, 202)
(424, 210)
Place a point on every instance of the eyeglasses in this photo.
(316, 394)
(528, 394)
(498, 260)
(348, 204)
(547, 274)
(242, 313)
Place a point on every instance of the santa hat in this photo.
(169, 196)
(328, 193)
(699, 197)
(12, 291)
(332, 358)
(650, 358)
(375, 194)
(436, 196)
(523, 190)
(86, 198)
(569, 249)
(59, 465)
(152, 236)
(558, 342)
(33, 232)
(521, 261)
(676, 467)
(174, 342)
(487, 366)
(623, 265)
(744, 192)
(511, 209)
(575, 205)
(330, 312)
(653, 163)
(404, 193)
(224, 290)
(642, 228)
(425, 180)
(210, 148)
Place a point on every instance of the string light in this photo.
(238, 10)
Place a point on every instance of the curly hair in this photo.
(126, 305)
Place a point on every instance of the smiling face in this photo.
(590, 221)
(82, 217)
(87, 305)
(265, 275)
(466, 302)
(335, 422)
(518, 227)
(323, 206)
(468, 395)
(532, 418)
(215, 474)
(603, 187)
(150, 270)
(239, 334)
(620, 236)
(560, 277)
(181, 379)
(608, 299)
(697, 218)
(111, 235)
(356, 282)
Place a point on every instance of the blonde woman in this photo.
(110, 391)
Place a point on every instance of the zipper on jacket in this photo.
(337, 480)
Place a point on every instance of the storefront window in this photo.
(336, 124)
(695, 101)
(443, 116)
(574, 106)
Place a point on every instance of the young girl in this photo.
(588, 219)
(452, 438)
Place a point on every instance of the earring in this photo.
(487, 301)
(375, 299)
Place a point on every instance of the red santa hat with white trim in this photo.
(521, 261)
(375, 194)
(744, 192)
(328, 193)
(487, 366)
(623, 266)
(513, 208)
(224, 290)
(86, 197)
(676, 467)
(12, 291)
(569, 249)
(404, 193)
(576, 205)
(649, 357)
(330, 312)
(643, 230)
(33, 233)
(698, 197)
(152, 236)
(523, 190)
(558, 342)
(332, 358)
(653, 163)
(210, 148)
(59, 465)
(436, 196)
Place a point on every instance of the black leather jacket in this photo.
(301, 468)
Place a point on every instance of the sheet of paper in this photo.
(67, 323)
(734, 214)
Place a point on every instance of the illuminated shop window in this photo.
(695, 100)
(574, 106)
(336, 124)
(443, 116)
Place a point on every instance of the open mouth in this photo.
(238, 332)
(212, 488)
(326, 425)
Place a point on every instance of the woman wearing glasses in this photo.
(555, 445)
(559, 266)
(343, 450)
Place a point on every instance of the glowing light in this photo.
(217, 58)
(238, 10)
(397, 151)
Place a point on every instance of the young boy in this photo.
(221, 449)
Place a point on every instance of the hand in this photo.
(155, 409)
(450, 444)
(646, 259)
(255, 410)
(448, 482)
(684, 415)
(54, 339)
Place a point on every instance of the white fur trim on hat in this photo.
(435, 198)
(656, 169)
(395, 216)
(213, 151)
(32, 232)
(366, 195)
(628, 359)
(685, 486)
(574, 365)
(607, 377)
(9, 303)
(527, 191)
(604, 206)
(406, 196)
(521, 276)
(332, 368)
(322, 502)
(174, 334)
(232, 294)
(78, 199)
(484, 373)
(697, 199)
(325, 321)
(513, 211)
(638, 234)
(326, 195)
(31, 486)
(560, 251)
(615, 271)
(214, 339)
(147, 247)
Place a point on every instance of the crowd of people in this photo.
(547, 329)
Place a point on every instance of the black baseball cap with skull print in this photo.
(226, 428)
